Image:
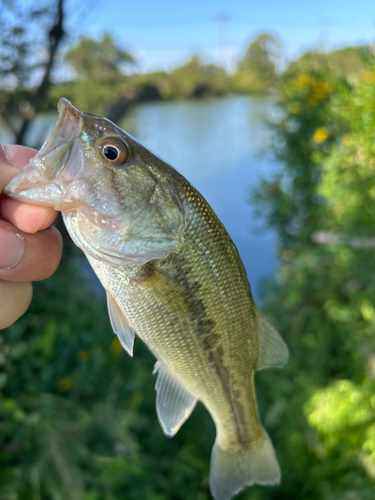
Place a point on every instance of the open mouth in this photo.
(68, 125)
(43, 179)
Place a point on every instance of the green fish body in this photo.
(173, 276)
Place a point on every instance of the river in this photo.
(223, 147)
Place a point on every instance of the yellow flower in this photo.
(83, 356)
(294, 108)
(321, 134)
(116, 347)
(369, 77)
(66, 383)
(303, 80)
(320, 90)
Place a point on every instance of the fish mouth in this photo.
(68, 124)
(45, 177)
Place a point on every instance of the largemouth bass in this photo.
(173, 276)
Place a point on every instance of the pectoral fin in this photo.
(174, 404)
(273, 352)
(120, 325)
(167, 291)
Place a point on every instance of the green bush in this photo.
(322, 299)
(77, 414)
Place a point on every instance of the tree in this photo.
(343, 63)
(196, 79)
(25, 77)
(99, 60)
(256, 72)
(101, 85)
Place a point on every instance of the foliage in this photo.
(29, 40)
(97, 89)
(291, 201)
(100, 78)
(21, 38)
(77, 415)
(343, 63)
(87, 95)
(98, 60)
(102, 82)
(256, 72)
(195, 79)
(323, 295)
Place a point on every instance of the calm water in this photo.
(221, 146)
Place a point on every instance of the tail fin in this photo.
(231, 472)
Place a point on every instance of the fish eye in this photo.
(114, 151)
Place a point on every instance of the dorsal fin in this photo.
(174, 404)
(120, 325)
(273, 351)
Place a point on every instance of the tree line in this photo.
(104, 78)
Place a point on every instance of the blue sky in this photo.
(165, 33)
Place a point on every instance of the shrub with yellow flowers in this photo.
(323, 297)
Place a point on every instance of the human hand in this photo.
(30, 250)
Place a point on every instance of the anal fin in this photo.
(273, 351)
(174, 403)
(120, 325)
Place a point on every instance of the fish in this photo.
(173, 276)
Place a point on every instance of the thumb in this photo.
(12, 159)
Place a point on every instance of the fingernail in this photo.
(16, 155)
(10, 153)
(12, 247)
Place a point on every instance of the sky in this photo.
(165, 33)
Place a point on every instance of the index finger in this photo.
(27, 217)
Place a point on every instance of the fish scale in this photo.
(173, 276)
(173, 346)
